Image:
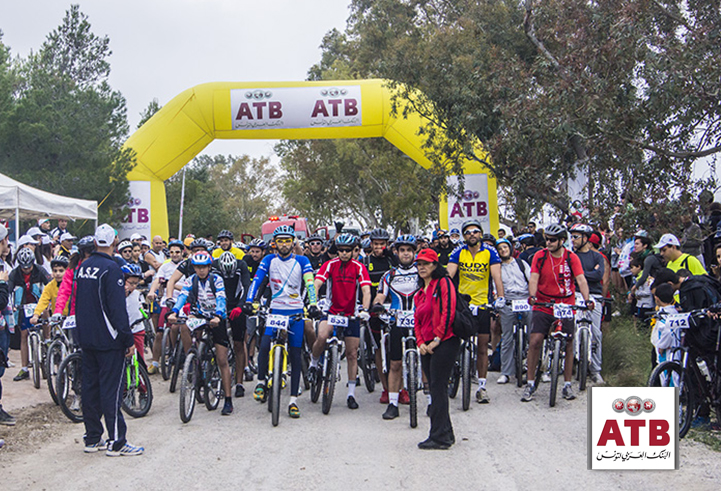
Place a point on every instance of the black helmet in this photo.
(86, 244)
(199, 243)
(259, 243)
(380, 234)
(556, 230)
(489, 238)
(225, 234)
(471, 222)
(313, 237)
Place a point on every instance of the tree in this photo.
(65, 125)
(152, 108)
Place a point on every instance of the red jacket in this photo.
(435, 311)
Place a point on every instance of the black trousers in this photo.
(437, 368)
(102, 377)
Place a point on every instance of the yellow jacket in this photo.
(50, 293)
(236, 252)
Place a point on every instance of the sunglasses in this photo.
(575, 237)
(474, 231)
(345, 250)
(552, 239)
(283, 241)
(315, 242)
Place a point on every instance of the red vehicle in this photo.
(299, 224)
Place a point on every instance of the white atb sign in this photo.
(296, 107)
(633, 428)
(473, 203)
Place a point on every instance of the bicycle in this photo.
(412, 376)
(520, 339)
(697, 384)
(69, 385)
(582, 347)
(35, 345)
(330, 371)
(137, 396)
(171, 356)
(367, 357)
(464, 368)
(60, 346)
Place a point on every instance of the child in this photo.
(58, 265)
(133, 275)
(644, 297)
(663, 337)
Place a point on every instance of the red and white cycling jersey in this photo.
(344, 279)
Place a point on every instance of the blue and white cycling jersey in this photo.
(203, 300)
(400, 285)
(285, 278)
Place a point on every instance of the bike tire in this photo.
(304, 364)
(519, 352)
(35, 359)
(188, 384)
(166, 355)
(138, 397)
(203, 372)
(317, 385)
(582, 359)
(329, 378)
(56, 353)
(412, 387)
(672, 374)
(69, 387)
(555, 369)
(365, 354)
(466, 379)
(455, 380)
(213, 388)
(277, 384)
(177, 357)
(149, 338)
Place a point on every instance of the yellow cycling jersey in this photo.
(236, 252)
(474, 272)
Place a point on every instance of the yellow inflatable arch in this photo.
(280, 110)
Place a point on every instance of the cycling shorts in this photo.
(542, 322)
(220, 334)
(353, 329)
(483, 321)
(25, 323)
(163, 318)
(237, 327)
(295, 329)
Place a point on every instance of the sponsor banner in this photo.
(473, 203)
(633, 428)
(138, 218)
(296, 107)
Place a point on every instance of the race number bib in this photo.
(69, 322)
(561, 311)
(405, 319)
(338, 320)
(678, 321)
(277, 321)
(520, 306)
(579, 300)
(29, 309)
(324, 304)
(194, 323)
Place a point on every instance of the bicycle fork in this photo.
(271, 362)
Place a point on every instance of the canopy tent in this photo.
(21, 201)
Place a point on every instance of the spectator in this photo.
(692, 238)
(669, 247)
(6, 321)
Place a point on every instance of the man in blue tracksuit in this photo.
(105, 338)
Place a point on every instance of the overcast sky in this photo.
(162, 47)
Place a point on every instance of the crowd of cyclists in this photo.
(357, 277)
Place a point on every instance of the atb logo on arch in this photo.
(632, 428)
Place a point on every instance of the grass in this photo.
(626, 354)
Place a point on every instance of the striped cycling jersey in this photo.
(285, 278)
(344, 279)
(400, 285)
(474, 272)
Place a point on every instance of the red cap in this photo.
(428, 255)
(595, 239)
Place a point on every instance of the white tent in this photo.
(21, 201)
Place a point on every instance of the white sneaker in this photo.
(127, 450)
(597, 379)
(545, 377)
(94, 447)
(503, 379)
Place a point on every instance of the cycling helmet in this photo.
(641, 233)
(582, 228)
(199, 243)
(124, 245)
(131, 270)
(176, 243)
(228, 264)
(366, 243)
(505, 241)
(259, 243)
(471, 222)
(59, 261)
(314, 237)
(284, 230)
(26, 257)
(527, 239)
(240, 245)
(489, 238)
(442, 233)
(379, 234)
(346, 240)
(225, 234)
(455, 231)
(556, 230)
(406, 240)
(86, 244)
(201, 258)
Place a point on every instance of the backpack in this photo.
(193, 295)
(702, 334)
(542, 260)
(464, 325)
(522, 266)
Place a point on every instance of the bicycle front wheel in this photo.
(213, 387)
(177, 364)
(166, 355)
(188, 384)
(70, 385)
(56, 353)
(519, 352)
(137, 391)
(671, 374)
(278, 355)
(466, 372)
(35, 358)
(412, 386)
(555, 370)
(582, 358)
(365, 359)
(455, 380)
(329, 378)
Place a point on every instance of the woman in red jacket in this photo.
(435, 305)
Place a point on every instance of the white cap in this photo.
(668, 240)
(145, 243)
(3, 232)
(136, 236)
(42, 220)
(33, 231)
(26, 239)
(104, 235)
(67, 236)
(45, 240)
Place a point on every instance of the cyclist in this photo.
(528, 247)
(225, 243)
(205, 293)
(594, 269)
(156, 290)
(134, 306)
(378, 262)
(515, 275)
(552, 279)
(315, 251)
(125, 249)
(401, 285)
(476, 265)
(66, 245)
(184, 269)
(345, 275)
(288, 275)
(256, 252)
(26, 284)
(66, 292)
(236, 279)
(59, 265)
(455, 236)
(445, 246)
(5, 320)
(155, 256)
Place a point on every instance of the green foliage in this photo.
(234, 193)
(626, 354)
(63, 127)
(152, 108)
